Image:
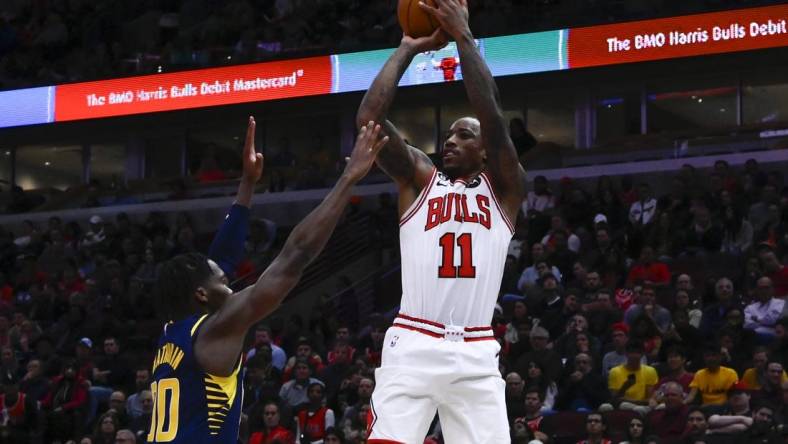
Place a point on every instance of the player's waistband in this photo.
(449, 332)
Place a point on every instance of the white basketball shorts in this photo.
(428, 367)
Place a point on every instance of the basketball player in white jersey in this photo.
(455, 228)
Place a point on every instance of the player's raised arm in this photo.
(227, 247)
(221, 336)
(406, 165)
(502, 161)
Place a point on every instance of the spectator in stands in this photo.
(714, 314)
(606, 258)
(514, 395)
(540, 199)
(771, 389)
(537, 377)
(645, 331)
(142, 382)
(267, 426)
(632, 384)
(642, 213)
(759, 211)
(140, 425)
(334, 436)
(648, 306)
(355, 428)
(619, 336)
(304, 351)
(125, 436)
(762, 314)
(776, 272)
(737, 232)
(538, 339)
(704, 236)
(596, 428)
(697, 425)
(111, 371)
(648, 271)
(635, 432)
(671, 422)
(569, 239)
(33, 383)
(534, 410)
(713, 381)
(262, 336)
(65, 404)
(531, 275)
(583, 389)
(314, 418)
(21, 416)
(209, 169)
(736, 417)
(675, 373)
(117, 405)
(560, 255)
(763, 418)
(686, 304)
(106, 428)
(294, 392)
(363, 395)
(95, 236)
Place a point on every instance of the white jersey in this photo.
(454, 240)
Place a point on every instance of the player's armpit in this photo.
(405, 164)
(409, 167)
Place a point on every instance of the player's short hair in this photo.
(177, 281)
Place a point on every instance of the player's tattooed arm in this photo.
(406, 165)
(502, 161)
(221, 337)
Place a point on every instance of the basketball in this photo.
(416, 22)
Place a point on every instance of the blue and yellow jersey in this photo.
(189, 405)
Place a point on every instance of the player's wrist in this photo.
(463, 35)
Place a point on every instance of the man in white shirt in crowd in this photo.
(762, 315)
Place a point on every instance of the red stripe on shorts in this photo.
(423, 321)
(417, 329)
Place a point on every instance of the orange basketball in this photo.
(415, 21)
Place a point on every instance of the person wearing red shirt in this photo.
(65, 403)
(775, 271)
(315, 418)
(648, 271)
(272, 432)
(596, 428)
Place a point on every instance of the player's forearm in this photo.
(377, 100)
(245, 193)
(479, 83)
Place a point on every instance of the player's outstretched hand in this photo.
(433, 42)
(252, 160)
(368, 144)
(451, 14)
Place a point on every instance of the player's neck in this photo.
(465, 176)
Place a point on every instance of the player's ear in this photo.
(201, 295)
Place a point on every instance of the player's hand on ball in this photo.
(368, 144)
(433, 42)
(451, 14)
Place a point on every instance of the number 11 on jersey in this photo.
(466, 269)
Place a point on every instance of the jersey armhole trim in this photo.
(197, 325)
(425, 191)
(497, 204)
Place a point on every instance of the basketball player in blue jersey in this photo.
(455, 228)
(197, 388)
